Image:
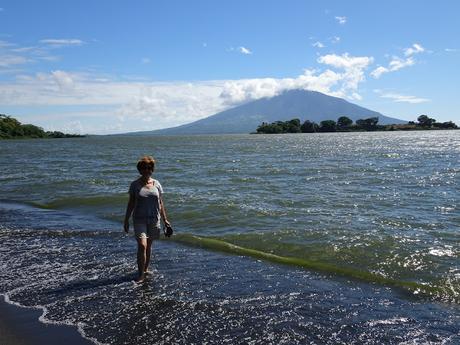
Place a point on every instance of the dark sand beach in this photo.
(20, 326)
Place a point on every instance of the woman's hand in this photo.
(167, 230)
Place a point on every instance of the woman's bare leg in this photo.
(141, 258)
(148, 253)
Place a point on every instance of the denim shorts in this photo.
(147, 230)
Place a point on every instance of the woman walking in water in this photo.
(145, 199)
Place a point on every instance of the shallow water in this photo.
(369, 221)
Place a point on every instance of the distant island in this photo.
(345, 124)
(10, 128)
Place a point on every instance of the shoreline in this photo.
(21, 326)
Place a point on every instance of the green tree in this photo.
(328, 126)
(445, 125)
(267, 128)
(344, 122)
(368, 124)
(425, 121)
(293, 126)
(10, 127)
(33, 131)
(309, 127)
(56, 134)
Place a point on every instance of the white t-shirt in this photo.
(147, 201)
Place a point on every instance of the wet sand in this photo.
(20, 326)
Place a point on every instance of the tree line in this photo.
(10, 128)
(345, 124)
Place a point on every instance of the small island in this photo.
(10, 128)
(345, 124)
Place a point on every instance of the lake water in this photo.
(348, 238)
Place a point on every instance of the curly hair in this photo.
(146, 161)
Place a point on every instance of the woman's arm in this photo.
(129, 211)
(163, 212)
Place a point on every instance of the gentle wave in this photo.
(434, 290)
(79, 202)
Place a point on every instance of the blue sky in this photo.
(117, 66)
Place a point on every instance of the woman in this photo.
(145, 199)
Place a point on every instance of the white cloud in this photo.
(64, 80)
(49, 58)
(62, 42)
(343, 83)
(171, 104)
(145, 60)
(239, 91)
(23, 49)
(74, 127)
(345, 61)
(12, 54)
(401, 98)
(5, 44)
(398, 63)
(244, 50)
(451, 50)
(356, 96)
(341, 19)
(353, 70)
(395, 64)
(335, 39)
(379, 71)
(318, 45)
(131, 103)
(11, 60)
(415, 49)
